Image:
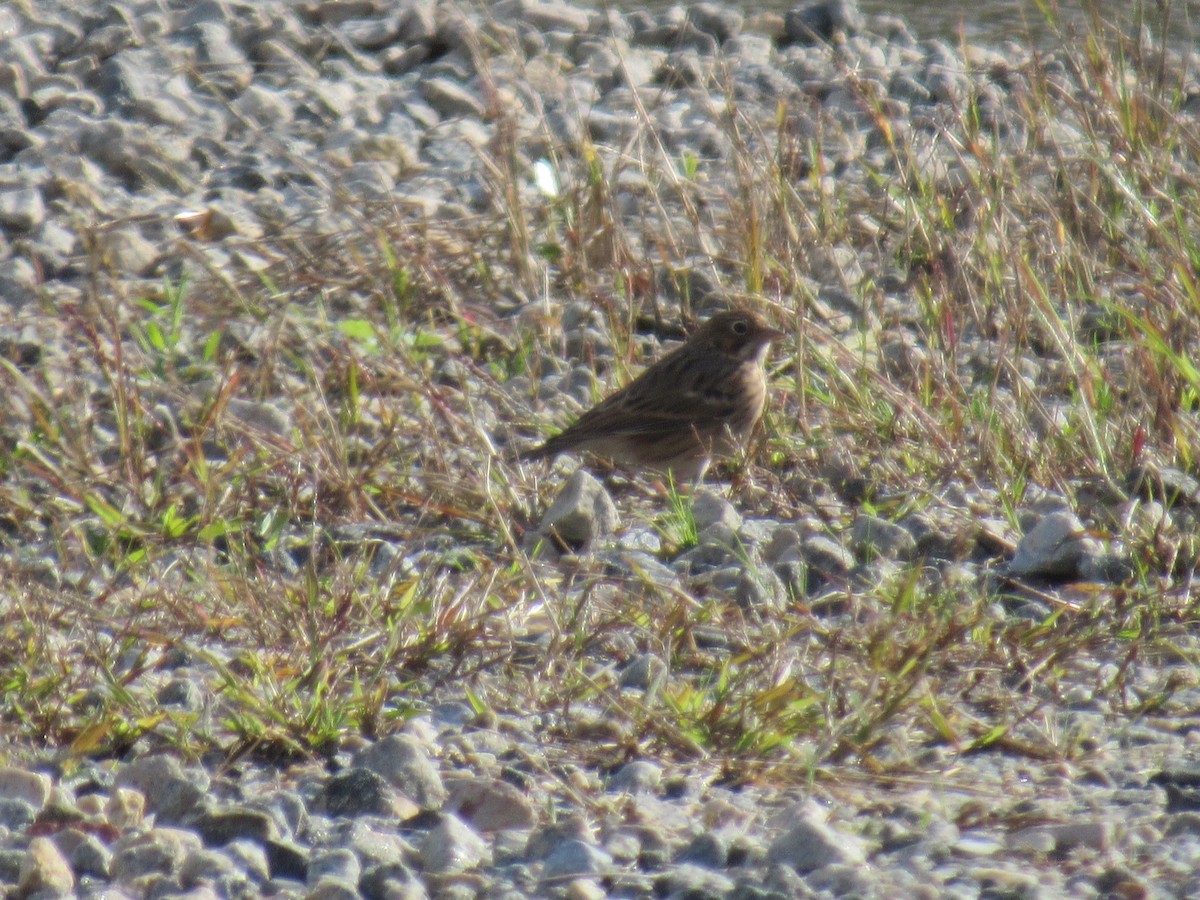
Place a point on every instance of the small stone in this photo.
(551, 15)
(394, 881)
(21, 209)
(203, 866)
(31, 787)
(978, 845)
(819, 21)
(250, 858)
(636, 777)
(450, 99)
(287, 860)
(584, 889)
(221, 827)
(126, 251)
(407, 767)
(709, 508)
(811, 843)
(16, 815)
(873, 537)
(693, 881)
(340, 864)
(580, 515)
(267, 418)
(545, 840)
(360, 792)
(490, 804)
(644, 672)
(169, 793)
(720, 20)
(1064, 837)
(125, 808)
(44, 871)
(182, 693)
(11, 861)
(159, 851)
(91, 858)
(452, 847)
(333, 889)
(575, 858)
(707, 849)
(1054, 549)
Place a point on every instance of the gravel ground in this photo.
(209, 140)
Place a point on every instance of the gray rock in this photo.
(159, 851)
(709, 508)
(708, 557)
(374, 842)
(264, 107)
(873, 537)
(391, 881)
(221, 63)
(720, 20)
(407, 767)
(357, 792)
(339, 864)
(453, 716)
(546, 15)
(287, 808)
(580, 515)
(140, 158)
(330, 888)
(201, 866)
(757, 588)
(170, 792)
(575, 858)
(145, 83)
(31, 788)
(55, 247)
(947, 84)
(809, 843)
(544, 841)
(1054, 549)
(690, 882)
(708, 849)
(843, 880)
(21, 208)
(287, 860)
(636, 777)
(16, 815)
(822, 20)
(1094, 835)
(182, 693)
(220, 827)
(11, 861)
(91, 858)
(250, 858)
(45, 872)
(646, 671)
(815, 561)
(452, 847)
(489, 804)
(451, 99)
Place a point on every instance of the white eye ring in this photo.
(740, 327)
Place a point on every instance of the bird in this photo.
(699, 401)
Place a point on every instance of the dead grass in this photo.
(295, 484)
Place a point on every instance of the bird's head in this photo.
(739, 333)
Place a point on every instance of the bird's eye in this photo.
(740, 327)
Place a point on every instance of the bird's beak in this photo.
(771, 335)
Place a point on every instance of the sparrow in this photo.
(699, 401)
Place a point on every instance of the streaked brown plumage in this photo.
(700, 400)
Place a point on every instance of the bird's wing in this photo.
(664, 399)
